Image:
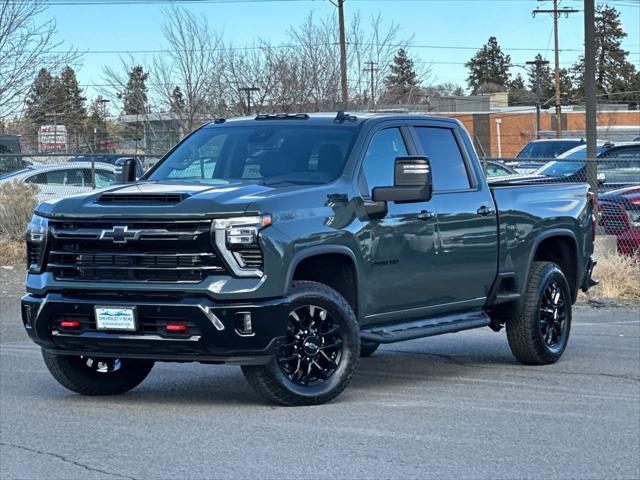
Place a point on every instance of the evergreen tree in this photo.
(518, 92)
(489, 66)
(134, 96)
(613, 71)
(68, 102)
(177, 101)
(547, 81)
(402, 83)
(40, 100)
(95, 123)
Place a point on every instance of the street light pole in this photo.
(104, 102)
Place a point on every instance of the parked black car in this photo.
(549, 148)
(619, 166)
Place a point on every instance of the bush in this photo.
(17, 202)
(619, 277)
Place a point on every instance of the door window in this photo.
(448, 169)
(73, 176)
(378, 167)
(104, 178)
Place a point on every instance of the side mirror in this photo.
(412, 182)
(601, 178)
(126, 170)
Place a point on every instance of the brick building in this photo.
(504, 133)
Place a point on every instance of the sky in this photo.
(126, 25)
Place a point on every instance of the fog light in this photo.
(244, 324)
(69, 324)
(176, 328)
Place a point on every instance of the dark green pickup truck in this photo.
(292, 245)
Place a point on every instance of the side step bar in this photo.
(425, 328)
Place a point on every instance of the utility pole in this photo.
(556, 16)
(343, 52)
(371, 68)
(248, 91)
(538, 65)
(591, 125)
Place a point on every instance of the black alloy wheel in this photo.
(313, 348)
(553, 315)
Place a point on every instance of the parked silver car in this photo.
(63, 179)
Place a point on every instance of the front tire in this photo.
(316, 361)
(539, 335)
(96, 376)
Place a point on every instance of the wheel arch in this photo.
(315, 263)
(559, 246)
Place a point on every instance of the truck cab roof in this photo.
(326, 118)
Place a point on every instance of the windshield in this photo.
(561, 168)
(550, 149)
(268, 154)
(581, 152)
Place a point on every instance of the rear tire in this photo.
(368, 348)
(320, 353)
(539, 335)
(96, 376)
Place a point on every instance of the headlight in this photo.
(237, 241)
(37, 232)
(634, 218)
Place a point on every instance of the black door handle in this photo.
(426, 215)
(485, 211)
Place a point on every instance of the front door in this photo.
(399, 248)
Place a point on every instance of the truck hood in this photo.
(154, 199)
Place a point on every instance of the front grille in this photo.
(613, 218)
(138, 251)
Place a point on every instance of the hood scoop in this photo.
(114, 198)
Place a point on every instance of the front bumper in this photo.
(212, 335)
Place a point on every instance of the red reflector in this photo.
(176, 327)
(70, 324)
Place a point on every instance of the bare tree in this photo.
(378, 43)
(193, 62)
(25, 47)
(316, 51)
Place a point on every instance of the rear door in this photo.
(467, 246)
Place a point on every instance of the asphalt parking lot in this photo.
(456, 406)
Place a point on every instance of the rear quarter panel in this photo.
(529, 214)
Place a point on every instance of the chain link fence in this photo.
(617, 183)
(617, 180)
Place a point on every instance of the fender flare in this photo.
(555, 232)
(323, 250)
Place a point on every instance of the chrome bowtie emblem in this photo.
(120, 234)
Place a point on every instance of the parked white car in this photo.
(63, 179)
